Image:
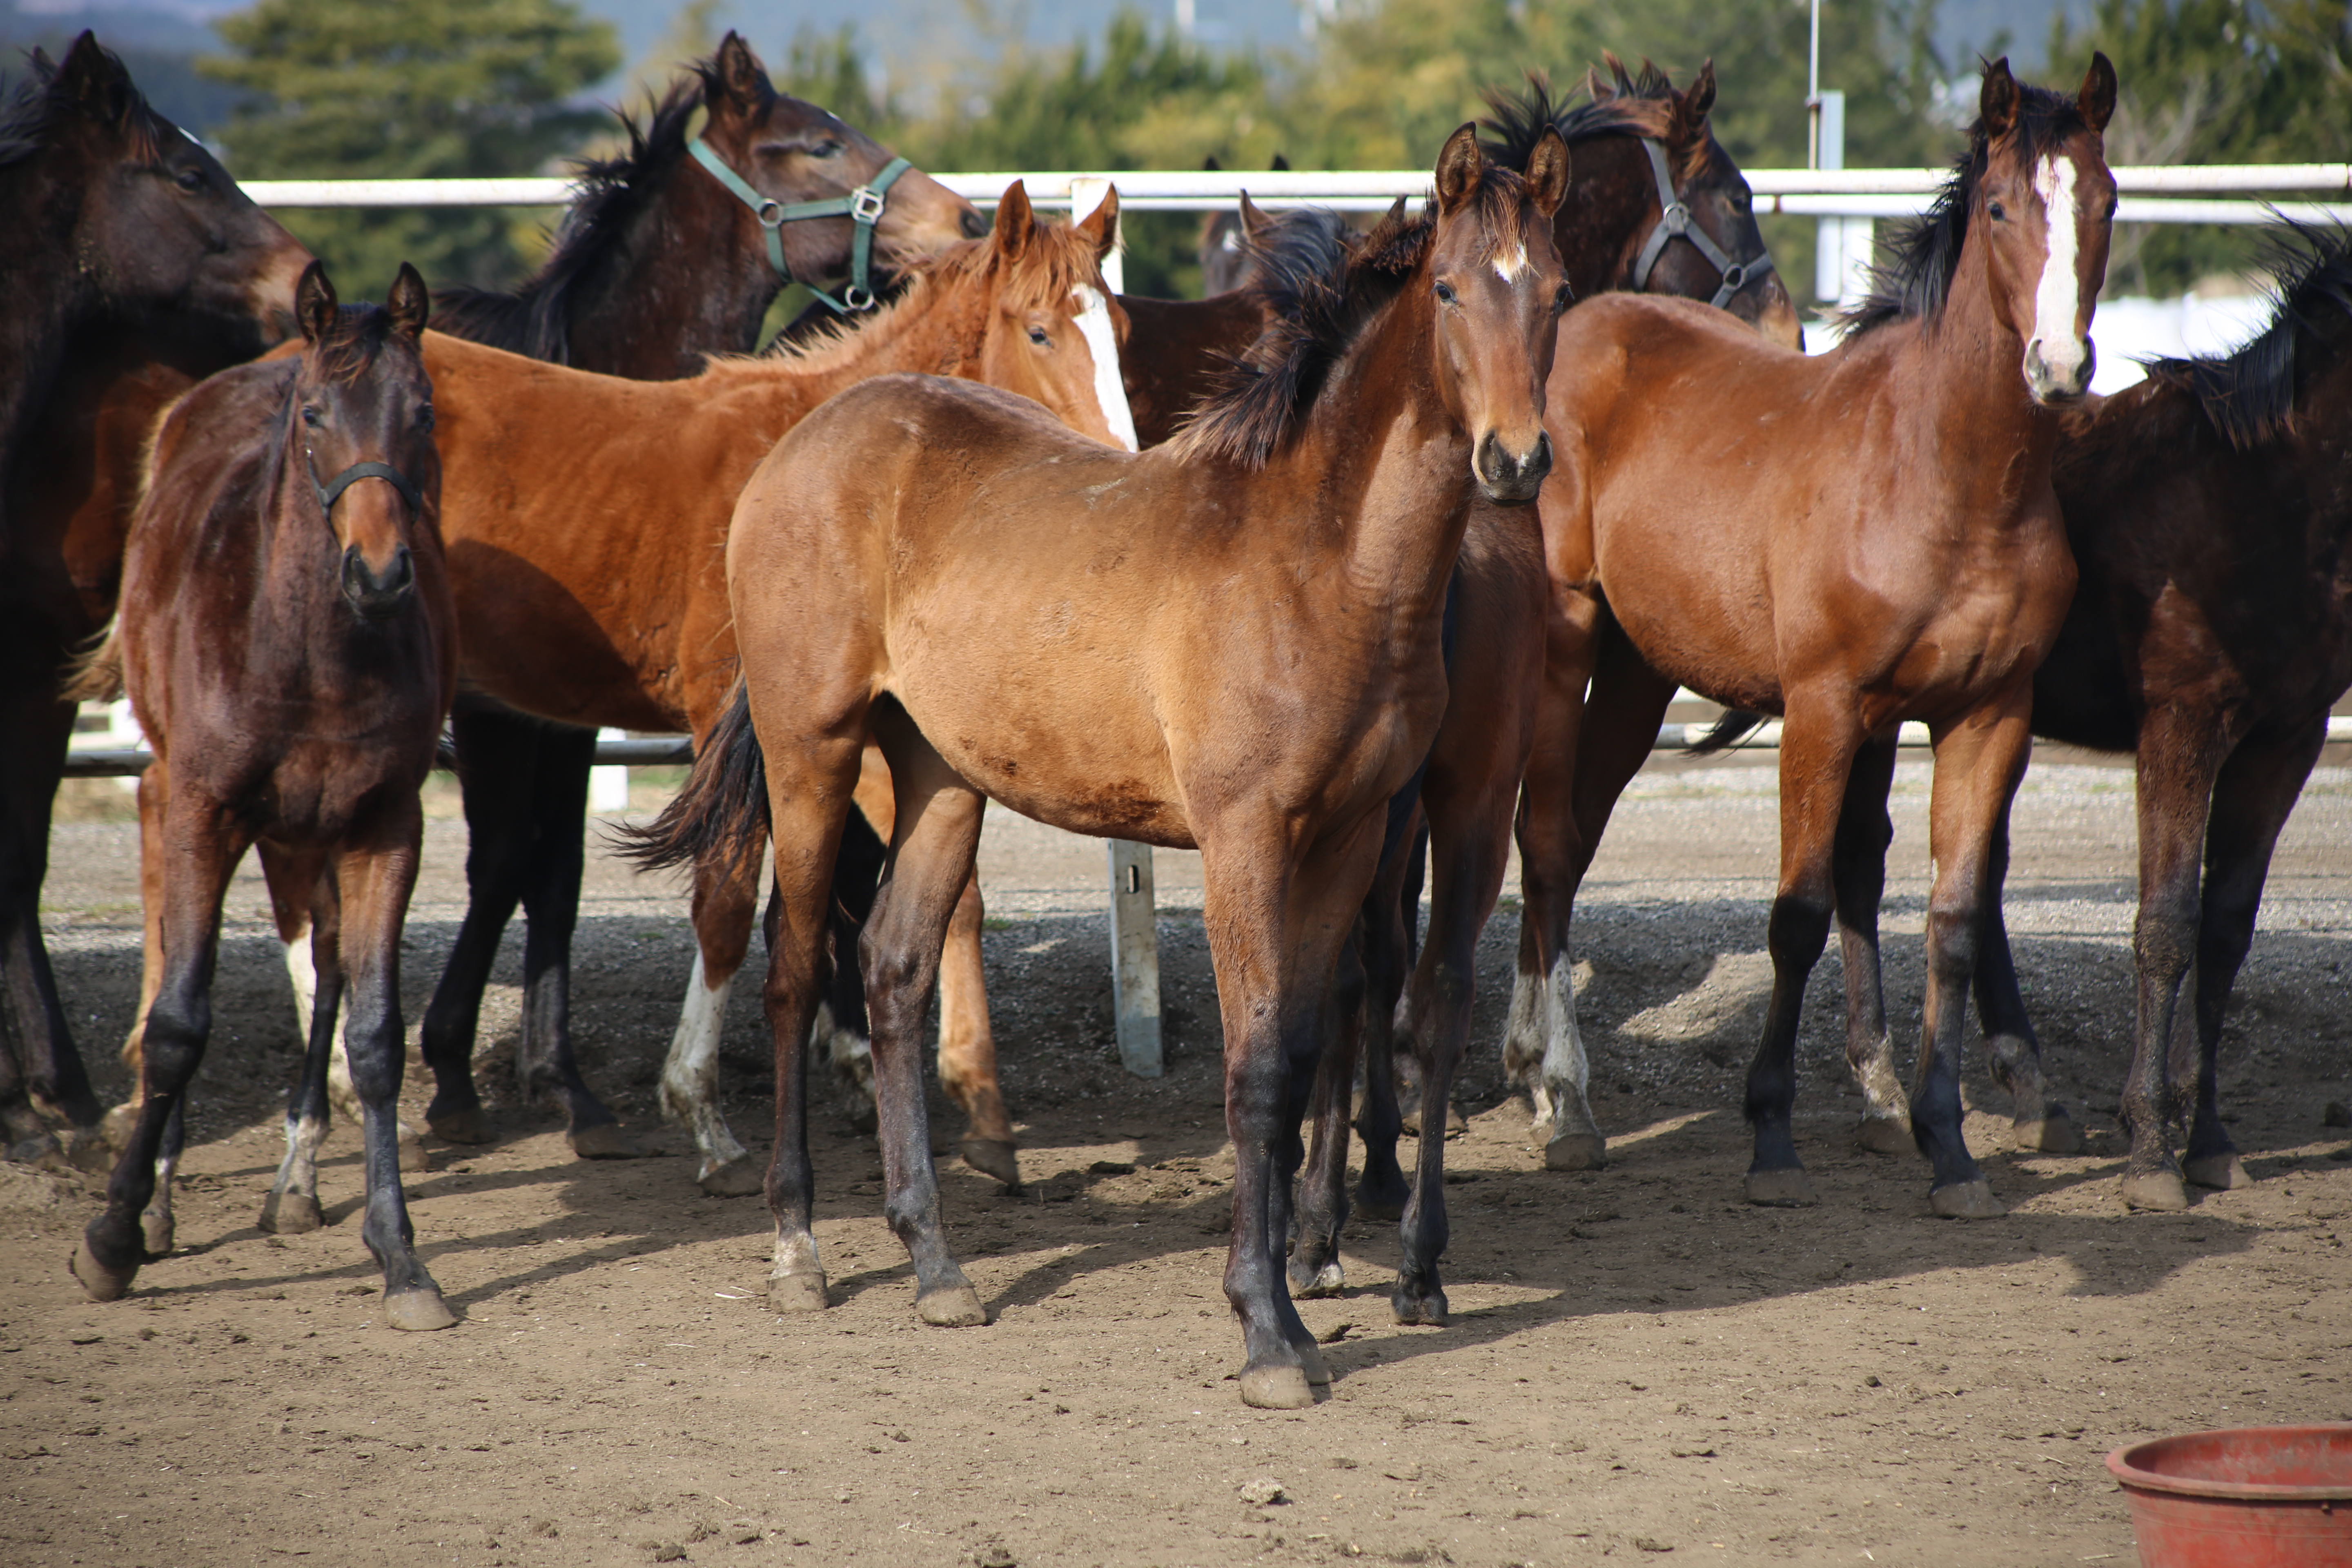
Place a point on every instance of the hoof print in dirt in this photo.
(1577, 1151)
(1966, 1200)
(992, 1157)
(290, 1213)
(417, 1311)
(739, 1178)
(955, 1308)
(1276, 1388)
(1784, 1189)
(100, 1283)
(1884, 1135)
(2159, 1192)
(796, 1293)
(2218, 1172)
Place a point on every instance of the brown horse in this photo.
(1232, 642)
(1711, 540)
(287, 641)
(125, 247)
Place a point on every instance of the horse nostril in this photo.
(974, 226)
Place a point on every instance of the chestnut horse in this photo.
(2208, 510)
(124, 244)
(1852, 541)
(288, 642)
(1231, 642)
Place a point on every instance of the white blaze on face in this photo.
(1508, 266)
(1102, 342)
(2059, 295)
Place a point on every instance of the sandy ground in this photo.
(1639, 1363)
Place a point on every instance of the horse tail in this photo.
(722, 815)
(1726, 732)
(95, 673)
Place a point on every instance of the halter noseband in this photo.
(332, 491)
(1674, 222)
(863, 207)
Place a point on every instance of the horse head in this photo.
(2046, 203)
(1055, 327)
(363, 405)
(1498, 290)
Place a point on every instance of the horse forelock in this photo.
(1927, 255)
(353, 348)
(41, 103)
(2249, 394)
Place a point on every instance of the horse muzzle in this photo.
(1511, 479)
(375, 598)
(2060, 381)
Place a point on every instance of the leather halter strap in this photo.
(332, 491)
(863, 207)
(1675, 223)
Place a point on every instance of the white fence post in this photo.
(608, 787)
(1134, 959)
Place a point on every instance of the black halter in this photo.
(1674, 222)
(332, 491)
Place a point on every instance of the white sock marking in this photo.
(1093, 325)
(2058, 294)
(689, 1082)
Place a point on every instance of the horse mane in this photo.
(1927, 253)
(2249, 396)
(32, 111)
(1640, 104)
(533, 318)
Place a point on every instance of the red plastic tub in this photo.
(2255, 1497)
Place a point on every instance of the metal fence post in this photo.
(1134, 959)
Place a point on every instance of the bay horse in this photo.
(1698, 518)
(1230, 643)
(287, 641)
(2208, 510)
(126, 249)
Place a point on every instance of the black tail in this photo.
(722, 815)
(1726, 732)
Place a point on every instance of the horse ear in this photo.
(1209, 165)
(2098, 100)
(1281, 165)
(1256, 220)
(1013, 221)
(1700, 97)
(96, 79)
(1548, 170)
(314, 303)
(1997, 104)
(410, 304)
(742, 77)
(1460, 166)
(1101, 225)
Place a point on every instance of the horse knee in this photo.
(1799, 929)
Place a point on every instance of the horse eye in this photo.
(828, 149)
(1561, 298)
(2109, 215)
(1742, 202)
(190, 179)
(310, 414)
(1445, 294)
(425, 417)
(1039, 336)
(1996, 212)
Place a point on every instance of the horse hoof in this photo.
(1456, 1124)
(2055, 1133)
(992, 1157)
(290, 1213)
(88, 1151)
(413, 1160)
(796, 1293)
(99, 1282)
(1884, 1135)
(1327, 1280)
(417, 1311)
(471, 1125)
(2159, 1191)
(605, 1140)
(1311, 1362)
(737, 1178)
(1576, 1152)
(1783, 1189)
(1420, 1312)
(2218, 1172)
(157, 1230)
(956, 1307)
(1276, 1388)
(1966, 1200)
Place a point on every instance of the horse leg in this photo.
(840, 1035)
(375, 872)
(42, 1079)
(1818, 743)
(1320, 1207)
(1978, 760)
(2180, 758)
(498, 754)
(152, 787)
(2257, 788)
(198, 846)
(309, 910)
(933, 841)
(2013, 1051)
(725, 897)
(968, 1045)
(1859, 873)
(1384, 931)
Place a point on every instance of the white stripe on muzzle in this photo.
(1093, 325)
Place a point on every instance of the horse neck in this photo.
(46, 294)
(683, 281)
(933, 329)
(1599, 229)
(1971, 393)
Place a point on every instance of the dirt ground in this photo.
(1639, 1363)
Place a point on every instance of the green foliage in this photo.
(427, 88)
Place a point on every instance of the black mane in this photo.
(1642, 106)
(1927, 253)
(2249, 396)
(30, 116)
(532, 319)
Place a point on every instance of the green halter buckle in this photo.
(863, 207)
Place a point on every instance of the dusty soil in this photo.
(1639, 1363)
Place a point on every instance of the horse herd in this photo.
(1343, 577)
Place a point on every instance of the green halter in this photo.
(863, 207)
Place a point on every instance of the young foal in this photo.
(1232, 643)
(287, 641)
(1852, 541)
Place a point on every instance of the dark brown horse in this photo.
(2208, 510)
(1852, 541)
(123, 244)
(287, 641)
(1232, 643)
